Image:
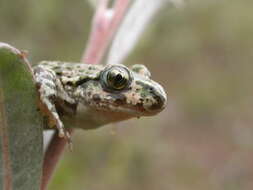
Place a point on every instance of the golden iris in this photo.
(117, 78)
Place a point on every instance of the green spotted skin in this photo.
(77, 93)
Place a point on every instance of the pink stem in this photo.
(51, 158)
(100, 24)
(104, 26)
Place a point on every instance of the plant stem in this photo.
(51, 158)
(104, 26)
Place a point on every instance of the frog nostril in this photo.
(159, 100)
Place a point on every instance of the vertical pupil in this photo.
(118, 77)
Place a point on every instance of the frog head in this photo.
(118, 93)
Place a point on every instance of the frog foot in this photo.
(62, 132)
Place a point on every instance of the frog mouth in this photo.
(137, 110)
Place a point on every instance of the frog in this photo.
(77, 94)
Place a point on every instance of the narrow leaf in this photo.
(21, 150)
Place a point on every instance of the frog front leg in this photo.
(48, 87)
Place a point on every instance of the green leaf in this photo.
(21, 150)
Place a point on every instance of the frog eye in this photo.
(117, 78)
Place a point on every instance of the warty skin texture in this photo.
(78, 93)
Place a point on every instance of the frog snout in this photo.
(159, 98)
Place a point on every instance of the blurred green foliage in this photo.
(201, 54)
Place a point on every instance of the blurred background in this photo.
(201, 54)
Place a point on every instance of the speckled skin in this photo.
(77, 93)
